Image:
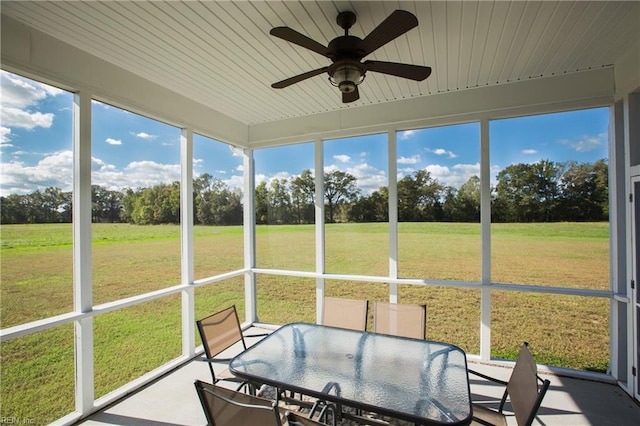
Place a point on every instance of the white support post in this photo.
(485, 225)
(617, 243)
(393, 214)
(631, 112)
(319, 217)
(249, 220)
(186, 241)
(82, 266)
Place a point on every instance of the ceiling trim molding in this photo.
(583, 89)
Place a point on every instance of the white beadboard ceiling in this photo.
(220, 53)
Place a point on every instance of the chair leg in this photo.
(323, 414)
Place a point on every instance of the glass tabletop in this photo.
(417, 380)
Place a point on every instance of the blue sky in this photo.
(129, 150)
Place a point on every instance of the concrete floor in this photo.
(172, 400)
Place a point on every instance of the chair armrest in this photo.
(221, 360)
(484, 376)
(257, 335)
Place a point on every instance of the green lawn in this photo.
(36, 269)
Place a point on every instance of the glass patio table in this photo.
(420, 381)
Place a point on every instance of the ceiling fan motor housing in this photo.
(347, 71)
(346, 20)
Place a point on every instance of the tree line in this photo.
(544, 191)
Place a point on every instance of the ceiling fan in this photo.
(346, 52)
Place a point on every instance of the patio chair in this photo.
(293, 419)
(525, 390)
(219, 332)
(345, 313)
(226, 407)
(400, 319)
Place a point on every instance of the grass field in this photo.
(36, 267)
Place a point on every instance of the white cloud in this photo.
(17, 95)
(455, 176)
(493, 173)
(259, 178)
(442, 151)
(405, 171)
(342, 158)
(112, 141)
(144, 174)
(438, 172)
(529, 151)
(414, 159)
(368, 177)
(235, 182)
(149, 173)
(14, 117)
(143, 135)
(330, 168)
(406, 134)
(467, 170)
(54, 170)
(5, 136)
(587, 143)
(20, 93)
(281, 175)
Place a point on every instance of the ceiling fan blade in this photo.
(413, 72)
(295, 37)
(396, 24)
(350, 97)
(295, 79)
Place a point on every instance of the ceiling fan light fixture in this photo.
(346, 77)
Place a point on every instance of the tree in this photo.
(585, 192)
(339, 187)
(419, 198)
(215, 203)
(13, 209)
(371, 208)
(200, 185)
(467, 201)
(279, 202)
(527, 192)
(158, 204)
(52, 203)
(262, 203)
(128, 204)
(542, 191)
(66, 207)
(106, 204)
(303, 197)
